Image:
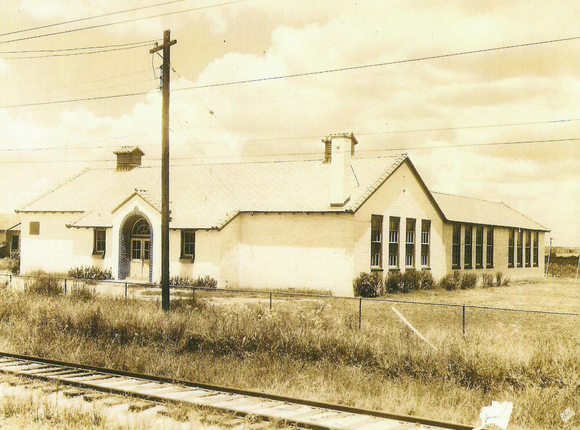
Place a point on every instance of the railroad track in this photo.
(299, 412)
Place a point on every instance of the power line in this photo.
(115, 96)
(39, 51)
(279, 139)
(296, 154)
(390, 63)
(92, 27)
(89, 18)
(74, 54)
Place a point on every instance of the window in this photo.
(528, 248)
(456, 247)
(511, 242)
(14, 243)
(489, 248)
(141, 228)
(479, 247)
(536, 249)
(520, 249)
(34, 228)
(99, 241)
(394, 241)
(425, 238)
(468, 246)
(188, 244)
(410, 243)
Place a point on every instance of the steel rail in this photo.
(48, 369)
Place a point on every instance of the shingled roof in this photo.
(207, 196)
(477, 211)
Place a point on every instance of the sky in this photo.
(496, 124)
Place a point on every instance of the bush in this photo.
(90, 272)
(411, 281)
(12, 265)
(369, 285)
(186, 281)
(426, 281)
(487, 280)
(45, 284)
(468, 281)
(394, 282)
(500, 280)
(451, 281)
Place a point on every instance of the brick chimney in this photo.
(128, 157)
(338, 151)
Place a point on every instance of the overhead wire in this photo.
(75, 54)
(89, 18)
(40, 51)
(92, 27)
(296, 154)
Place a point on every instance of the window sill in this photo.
(376, 269)
(394, 269)
(98, 255)
(186, 259)
(426, 268)
(489, 267)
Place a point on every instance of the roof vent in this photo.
(128, 157)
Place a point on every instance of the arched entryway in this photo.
(136, 248)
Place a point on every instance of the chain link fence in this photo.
(433, 321)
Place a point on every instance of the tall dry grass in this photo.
(314, 351)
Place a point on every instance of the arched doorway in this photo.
(135, 248)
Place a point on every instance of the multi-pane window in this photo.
(528, 234)
(489, 248)
(99, 241)
(188, 244)
(425, 240)
(394, 226)
(520, 249)
(479, 247)
(410, 243)
(456, 247)
(536, 249)
(468, 246)
(377, 241)
(511, 243)
(34, 228)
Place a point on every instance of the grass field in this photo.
(314, 349)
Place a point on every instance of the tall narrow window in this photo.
(520, 248)
(425, 240)
(394, 224)
(489, 248)
(410, 243)
(528, 235)
(468, 246)
(536, 249)
(99, 241)
(511, 244)
(34, 228)
(187, 245)
(479, 247)
(456, 247)
(377, 241)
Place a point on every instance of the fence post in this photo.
(10, 279)
(126, 292)
(359, 313)
(270, 300)
(463, 320)
(65, 286)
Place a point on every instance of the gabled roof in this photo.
(9, 221)
(477, 211)
(128, 150)
(209, 196)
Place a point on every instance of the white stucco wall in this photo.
(297, 251)
(400, 196)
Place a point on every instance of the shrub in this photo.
(368, 285)
(451, 281)
(186, 281)
(12, 265)
(487, 280)
(468, 281)
(426, 281)
(500, 280)
(45, 284)
(90, 272)
(411, 281)
(394, 282)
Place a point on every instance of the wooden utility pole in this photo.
(167, 42)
